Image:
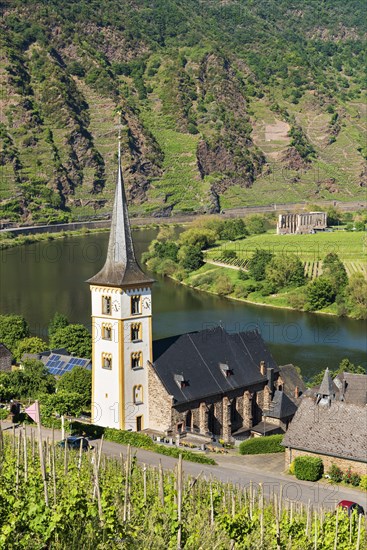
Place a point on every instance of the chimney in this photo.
(270, 376)
(296, 392)
(262, 368)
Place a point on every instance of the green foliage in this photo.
(262, 445)
(363, 483)
(333, 269)
(229, 254)
(351, 478)
(285, 270)
(31, 381)
(233, 229)
(335, 473)
(202, 238)
(191, 257)
(78, 380)
(58, 321)
(74, 338)
(319, 293)
(309, 468)
(258, 262)
(357, 295)
(13, 328)
(256, 224)
(223, 285)
(62, 402)
(32, 344)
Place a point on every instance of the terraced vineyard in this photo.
(311, 249)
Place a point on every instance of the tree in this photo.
(334, 270)
(79, 381)
(32, 380)
(12, 329)
(32, 344)
(319, 294)
(202, 238)
(256, 224)
(346, 365)
(62, 403)
(75, 339)
(58, 321)
(233, 229)
(258, 262)
(285, 270)
(191, 257)
(356, 292)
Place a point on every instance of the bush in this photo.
(223, 286)
(308, 468)
(291, 468)
(363, 482)
(4, 413)
(335, 473)
(352, 478)
(229, 254)
(243, 275)
(262, 445)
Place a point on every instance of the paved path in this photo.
(240, 470)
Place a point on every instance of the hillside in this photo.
(222, 104)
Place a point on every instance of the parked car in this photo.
(349, 506)
(73, 442)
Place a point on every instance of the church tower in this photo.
(122, 328)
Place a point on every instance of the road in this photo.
(228, 213)
(241, 471)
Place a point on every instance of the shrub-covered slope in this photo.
(222, 104)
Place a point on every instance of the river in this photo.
(39, 279)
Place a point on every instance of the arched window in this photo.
(135, 305)
(107, 361)
(106, 305)
(136, 332)
(106, 331)
(138, 394)
(137, 360)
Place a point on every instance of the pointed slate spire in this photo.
(121, 267)
(327, 386)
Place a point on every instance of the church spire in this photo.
(121, 267)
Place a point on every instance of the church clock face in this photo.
(146, 303)
(116, 306)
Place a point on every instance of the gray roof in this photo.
(121, 267)
(354, 388)
(336, 429)
(292, 379)
(4, 351)
(201, 359)
(281, 406)
(327, 386)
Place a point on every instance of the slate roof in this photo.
(200, 358)
(355, 387)
(281, 406)
(4, 351)
(121, 267)
(327, 386)
(336, 429)
(292, 379)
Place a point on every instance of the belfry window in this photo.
(135, 332)
(106, 305)
(107, 361)
(106, 331)
(138, 394)
(135, 305)
(136, 360)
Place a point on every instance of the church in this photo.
(210, 383)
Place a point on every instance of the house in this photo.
(6, 358)
(331, 423)
(299, 224)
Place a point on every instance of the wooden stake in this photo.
(42, 462)
(25, 455)
(179, 501)
(160, 483)
(17, 464)
(145, 481)
(261, 515)
(211, 504)
(315, 540)
(359, 531)
(336, 529)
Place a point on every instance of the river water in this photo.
(39, 279)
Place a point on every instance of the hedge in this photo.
(308, 468)
(262, 445)
(139, 440)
